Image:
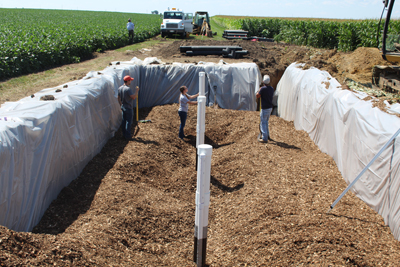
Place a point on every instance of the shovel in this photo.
(137, 114)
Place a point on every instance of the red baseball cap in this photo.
(128, 78)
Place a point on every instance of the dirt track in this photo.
(133, 205)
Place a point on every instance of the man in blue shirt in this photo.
(130, 27)
(125, 99)
(266, 94)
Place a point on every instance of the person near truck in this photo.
(266, 94)
(125, 99)
(130, 27)
(184, 101)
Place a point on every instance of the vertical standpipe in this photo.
(201, 120)
(203, 166)
(202, 204)
(202, 83)
(201, 111)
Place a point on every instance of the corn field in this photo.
(341, 34)
(33, 40)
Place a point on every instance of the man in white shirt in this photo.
(130, 27)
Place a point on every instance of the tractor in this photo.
(201, 24)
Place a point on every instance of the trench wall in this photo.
(44, 145)
(351, 131)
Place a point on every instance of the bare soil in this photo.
(134, 203)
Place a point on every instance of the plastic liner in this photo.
(44, 145)
(231, 86)
(351, 131)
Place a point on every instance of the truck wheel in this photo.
(183, 35)
(162, 35)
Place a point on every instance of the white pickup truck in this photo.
(175, 21)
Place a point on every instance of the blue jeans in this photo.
(264, 117)
(183, 116)
(127, 117)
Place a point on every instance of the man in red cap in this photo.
(125, 99)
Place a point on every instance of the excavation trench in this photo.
(134, 202)
(58, 137)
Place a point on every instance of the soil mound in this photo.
(358, 65)
(274, 58)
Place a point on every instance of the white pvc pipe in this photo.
(201, 120)
(202, 203)
(364, 170)
(202, 83)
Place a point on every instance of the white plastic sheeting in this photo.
(351, 131)
(44, 145)
(231, 86)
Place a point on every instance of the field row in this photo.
(345, 35)
(32, 40)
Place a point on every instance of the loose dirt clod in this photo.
(47, 98)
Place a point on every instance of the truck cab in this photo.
(175, 21)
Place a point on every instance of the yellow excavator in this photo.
(201, 24)
(388, 77)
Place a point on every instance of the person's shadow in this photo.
(282, 144)
(223, 187)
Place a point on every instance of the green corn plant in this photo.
(32, 40)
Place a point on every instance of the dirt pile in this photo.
(274, 58)
(134, 203)
(358, 64)
(271, 58)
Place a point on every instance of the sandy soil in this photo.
(133, 204)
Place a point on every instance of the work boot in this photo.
(261, 140)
